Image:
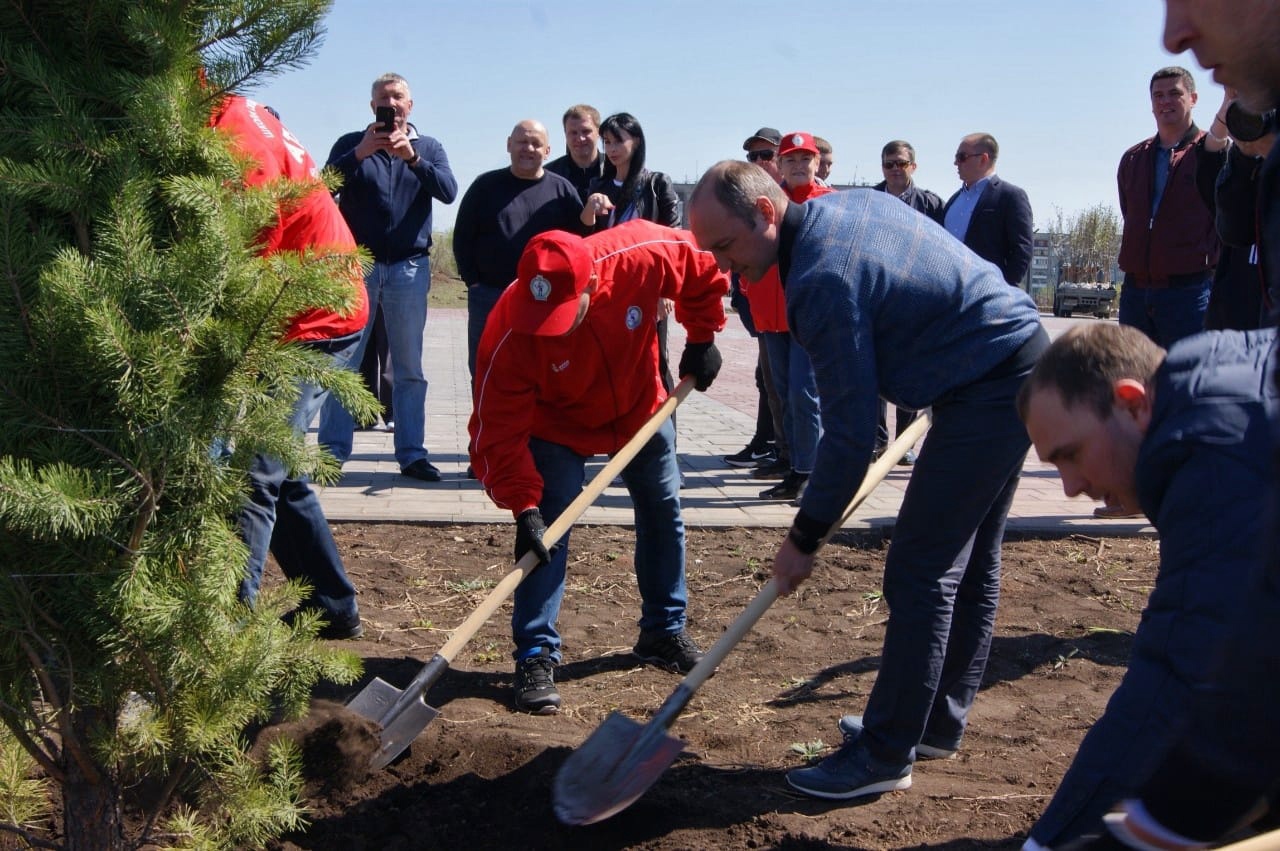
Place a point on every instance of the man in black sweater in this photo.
(499, 213)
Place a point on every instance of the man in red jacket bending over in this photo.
(567, 368)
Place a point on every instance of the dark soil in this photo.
(480, 775)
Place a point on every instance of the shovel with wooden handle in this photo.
(622, 758)
(403, 714)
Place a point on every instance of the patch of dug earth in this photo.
(480, 775)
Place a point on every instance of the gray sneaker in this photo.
(850, 772)
(851, 728)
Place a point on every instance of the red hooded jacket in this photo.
(314, 224)
(593, 388)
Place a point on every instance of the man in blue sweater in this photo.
(886, 303)
(390, 175)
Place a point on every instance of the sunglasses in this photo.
(757, 156)
(896, 164)
(961, 156)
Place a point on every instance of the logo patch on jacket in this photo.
(540, 287)
(634, 317)
(560, 367)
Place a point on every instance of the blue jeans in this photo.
(480, 301)
(797, 387)
(1165, 315)
(401, 289)
(653, 480)
(283, 515)
(942, 571)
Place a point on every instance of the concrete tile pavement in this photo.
(710, 426)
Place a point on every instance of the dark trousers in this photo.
(942, 571)
(904, 419)
(283, 516)
(480, 301)
(375, 366)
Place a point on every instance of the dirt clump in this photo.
(336, 744)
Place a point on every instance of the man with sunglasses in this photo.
(767, 451)
(762, 149)
(898, 162)
(991, 216)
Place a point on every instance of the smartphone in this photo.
(386, 118)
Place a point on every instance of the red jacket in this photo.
(593, 388)
(313, 224)
(1180, 239)
(768, 302)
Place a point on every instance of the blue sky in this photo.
(1061, 85)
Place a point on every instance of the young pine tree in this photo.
(140, 330)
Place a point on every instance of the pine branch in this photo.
(43, 755)
(30, 838)
(70, 741)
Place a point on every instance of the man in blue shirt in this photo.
(389, 179)
(887, 304)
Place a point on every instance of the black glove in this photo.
(529, 532)
(702, 361)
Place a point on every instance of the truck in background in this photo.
(1072, 297)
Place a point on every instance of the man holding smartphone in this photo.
(390, 175)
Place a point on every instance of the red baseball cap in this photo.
(798, 142)
(554, 270)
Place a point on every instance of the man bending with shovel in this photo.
(887, 303)
(567, 368)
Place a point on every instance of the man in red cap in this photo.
(793, 378)
(567, 368)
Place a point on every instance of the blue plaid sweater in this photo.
(887, 303)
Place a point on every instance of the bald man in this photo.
(499, 214)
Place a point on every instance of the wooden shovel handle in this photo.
(769, 592)
(562, 524)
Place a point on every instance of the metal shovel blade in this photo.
(401, 730)
(613, 767)
(375, 702)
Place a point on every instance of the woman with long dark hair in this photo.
(627, 190)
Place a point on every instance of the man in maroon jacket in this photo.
(568, 368)
(1169, 246)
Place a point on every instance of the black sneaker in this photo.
(789, 488)
(752, 455)
(423, 470)
(342, 631)
(676, 652)
(775, 469)
(331, 630)
(535, 688)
